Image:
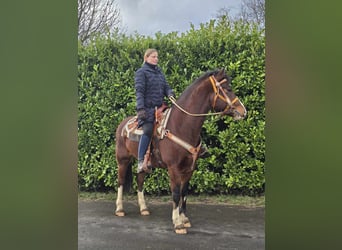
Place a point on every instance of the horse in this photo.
(178, 148)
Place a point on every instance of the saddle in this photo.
(132, 132)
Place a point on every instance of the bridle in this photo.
(217, 90)
(224, 97)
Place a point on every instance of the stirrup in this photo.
(147, 169)
(142, 167)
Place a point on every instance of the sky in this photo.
(147, 17)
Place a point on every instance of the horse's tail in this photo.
(128, 179)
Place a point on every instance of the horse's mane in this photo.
(197, 81)
(204, 76)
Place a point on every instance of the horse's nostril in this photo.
(237, 113)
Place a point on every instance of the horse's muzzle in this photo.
(237, 116)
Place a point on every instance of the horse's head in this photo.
(224, 99)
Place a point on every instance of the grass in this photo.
(234, 200)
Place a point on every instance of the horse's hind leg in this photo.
(119, 204)
(141, 198)
(123, 165)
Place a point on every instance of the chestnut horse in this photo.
(178, 149)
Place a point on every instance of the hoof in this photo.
(181, 231)
(187, 224)
(144, 212)
(120, 213)
(185, 220)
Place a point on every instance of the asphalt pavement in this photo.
(213, 227)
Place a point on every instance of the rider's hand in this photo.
(142, 114)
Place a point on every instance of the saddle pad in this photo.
(131, 129)
(134, 133)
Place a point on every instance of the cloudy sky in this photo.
(147, 17)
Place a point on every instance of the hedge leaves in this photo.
(106, 96)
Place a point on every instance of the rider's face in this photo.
(153, 58)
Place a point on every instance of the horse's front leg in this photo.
(176, 218)
(141, 197)
(182, 211)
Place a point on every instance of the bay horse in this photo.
(179, 148)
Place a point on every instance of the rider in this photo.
(151, 88)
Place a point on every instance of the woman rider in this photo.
(151, 88)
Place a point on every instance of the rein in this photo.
(217, 88)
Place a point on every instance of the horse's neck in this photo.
(188, 126)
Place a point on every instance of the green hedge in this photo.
(106, 95)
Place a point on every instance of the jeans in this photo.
(145, 140)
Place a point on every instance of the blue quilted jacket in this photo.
(151, 87)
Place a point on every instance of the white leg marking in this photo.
(119, 203)
(142, 203)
